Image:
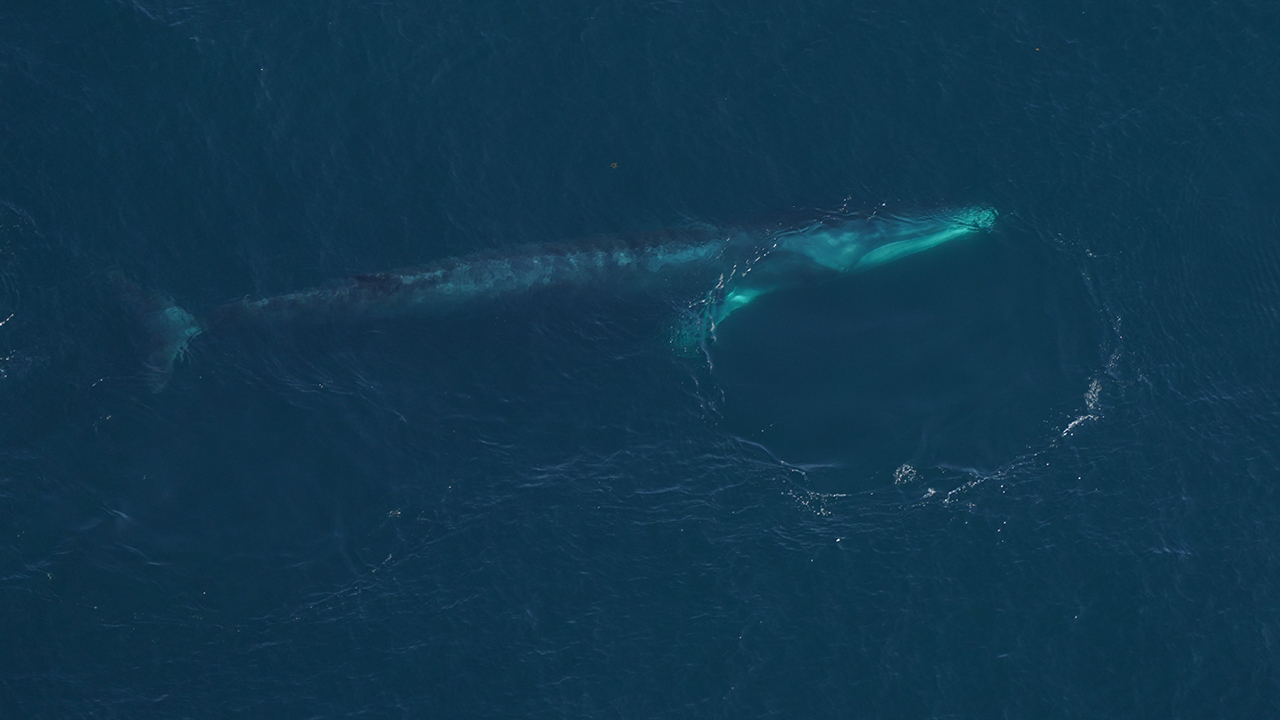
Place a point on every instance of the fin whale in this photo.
(718, 271)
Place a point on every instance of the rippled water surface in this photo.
(1031, 474)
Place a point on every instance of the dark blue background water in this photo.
(1033, 475)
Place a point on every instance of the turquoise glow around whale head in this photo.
(847, 245)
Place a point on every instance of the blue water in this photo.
(1029, 476)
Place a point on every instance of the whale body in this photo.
(717, 272)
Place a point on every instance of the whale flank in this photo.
(718, 271)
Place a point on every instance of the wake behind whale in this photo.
(717, 271)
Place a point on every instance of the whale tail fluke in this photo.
(160, 330)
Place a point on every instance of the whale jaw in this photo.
(846, 245)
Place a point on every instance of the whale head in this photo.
(855, 244)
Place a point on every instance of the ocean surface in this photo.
(1035, 474)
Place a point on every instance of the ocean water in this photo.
(1031, 475)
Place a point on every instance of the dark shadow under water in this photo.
(967, 356)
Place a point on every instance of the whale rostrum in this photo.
(717, 271)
